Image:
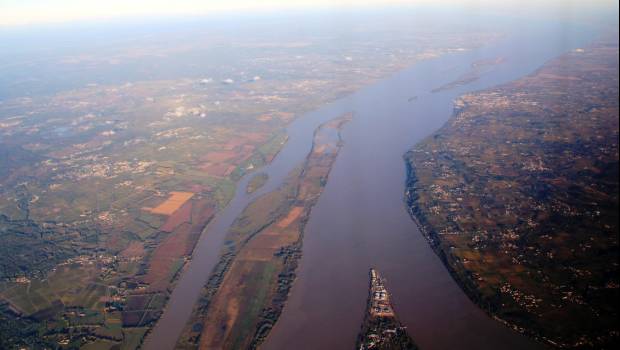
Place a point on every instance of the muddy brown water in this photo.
(360, 220)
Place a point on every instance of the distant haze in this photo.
(25, 12)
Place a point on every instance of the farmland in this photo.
(243, 299)
(172, 204)
(518, 195)
(117, 174)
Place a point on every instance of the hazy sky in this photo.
(20, 12)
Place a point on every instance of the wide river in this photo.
(360, 220)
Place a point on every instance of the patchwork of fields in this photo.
(242, 302)
(518, 194)
(111, 169)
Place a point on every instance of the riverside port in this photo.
(381, 328)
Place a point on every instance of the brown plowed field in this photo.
(164, 257)
(187, 224)
(182, 215)
(292, 216)
(170, 205)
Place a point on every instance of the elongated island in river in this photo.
(248, 289)
(381, 329)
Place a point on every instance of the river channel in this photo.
(360, 221)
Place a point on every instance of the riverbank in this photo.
(505, 194)
(245, 296)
